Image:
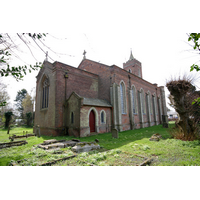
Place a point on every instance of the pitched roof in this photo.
(96, 102)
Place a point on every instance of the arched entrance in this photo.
(92, 121)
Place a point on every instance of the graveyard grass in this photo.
(130, 149)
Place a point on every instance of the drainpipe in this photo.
(66, 77)
(65, 118)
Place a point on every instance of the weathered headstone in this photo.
(165, 121)
(115, 133)
(38, 130)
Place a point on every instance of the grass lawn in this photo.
(130, 149)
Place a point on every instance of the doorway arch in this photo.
(92, 121)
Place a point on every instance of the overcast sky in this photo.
(108, 30)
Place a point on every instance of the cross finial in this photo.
(84, 53)
(46, 56)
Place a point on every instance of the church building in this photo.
(95, 98)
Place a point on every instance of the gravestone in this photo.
(165, 121)
(115, 133)
(38, 130)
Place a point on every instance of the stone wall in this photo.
(45, 117)
(99, 127)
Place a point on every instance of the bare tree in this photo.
(9, 47)
(182, 94)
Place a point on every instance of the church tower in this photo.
(133, 66)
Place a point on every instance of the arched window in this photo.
(129, 71)
(45, 93)
(150, 103)
(72, 118)
(154, 103)
(143, 102)
(123, 98)
(159, 104)
(134, 102)
(103, 117)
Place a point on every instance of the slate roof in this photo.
(96, 102)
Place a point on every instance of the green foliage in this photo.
(196, 101)
(195, 38)
(146, 147)
(21, 94)
(17, 72)
(2, 103)
(29, 118)
(194, 67)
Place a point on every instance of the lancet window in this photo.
(45, 93)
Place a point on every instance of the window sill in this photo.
(44, 109)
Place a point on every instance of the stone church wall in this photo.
(99, 127)
(45, 117)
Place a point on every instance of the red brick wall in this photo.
(93, 83)
(83, 83)
(105, 72)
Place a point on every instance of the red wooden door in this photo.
(92, 121)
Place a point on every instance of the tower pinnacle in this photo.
(131, 56)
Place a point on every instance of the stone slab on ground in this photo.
(85, 147)
(11, 144)
(54, 144)
(46, 142)
(70, 143)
